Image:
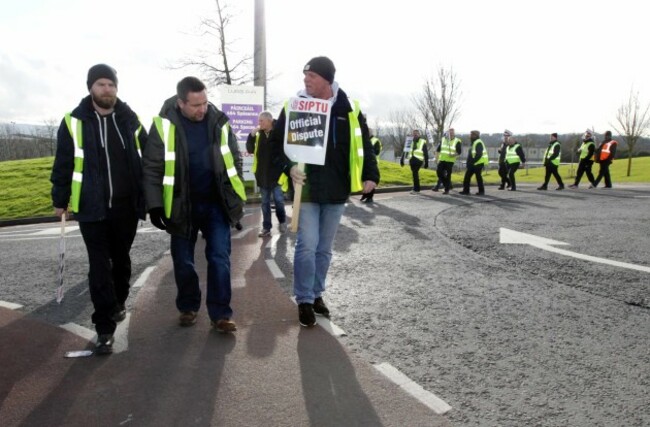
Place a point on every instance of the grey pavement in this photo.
(271, 372)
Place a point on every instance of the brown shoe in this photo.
(224, 325)
(187, 318)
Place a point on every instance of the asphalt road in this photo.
(506, 333)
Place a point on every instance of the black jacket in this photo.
(97, 183)
(267, 173)
(154, 170)
(330, 183)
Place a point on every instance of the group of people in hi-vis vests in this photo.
(186, 174)
(511, 158)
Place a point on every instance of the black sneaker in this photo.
(104, 344)
(119, 314)
(321, 308)
(306, 315)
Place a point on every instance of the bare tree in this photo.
(439, 101)
(49, 132)
(221, 65)
(634, 123)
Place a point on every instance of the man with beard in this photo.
(97, 174)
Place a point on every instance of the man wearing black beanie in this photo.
(97, 174)
(326, 188)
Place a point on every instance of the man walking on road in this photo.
(552, 162)
(418, 156)
(97, 173)
(586, 152)
(266, 174)
(477, 157)
(605, 156)
(326, 188)
(448, 150)
(514, 159)
(192, 182)
(503, 164)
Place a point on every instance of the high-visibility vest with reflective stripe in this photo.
(356, 149)
(167, 132)
(75, 127)
(418, 151)
(606, 150)
(136, 136)
(257, 140)
(511, 154)
(549, 153)
(484, 157)
(584, 148)
(448, 150)
(356, 146)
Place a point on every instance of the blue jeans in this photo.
(316, 231)
(278, 196)
(207, 217)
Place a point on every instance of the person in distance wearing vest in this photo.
(418, 156)
(267, 174)
(193, 182)
(350, 165)
(605, 156)
(97, 174)
(552, 162)
(449, 148)
(586, 152)
(477, 157)
(376, 148)
(514, 159)
(503, 165)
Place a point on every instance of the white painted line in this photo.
(80, 331)
(275, 270)
(121, 335)
(54, 231)
(516, 237)
(429, 399)
(272, 244)
(330, 327)
(240, 234)
(10, 305)
(143, 277)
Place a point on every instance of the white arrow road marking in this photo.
(435, 403)
(515, 237)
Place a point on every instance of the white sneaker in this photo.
(282, 227)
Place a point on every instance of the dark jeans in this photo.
(512, 169)
(474, 170)
(415, 170)
(604, 173)
(444, 171)
(278, 197)
(551, 169)
(503, 173)
(207, 217)
(584, 167)
(108, 244)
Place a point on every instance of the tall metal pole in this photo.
(259, 56)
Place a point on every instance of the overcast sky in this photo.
(546, 66)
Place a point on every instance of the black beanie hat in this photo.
(554, 135)
(101, 71)
(323, 66)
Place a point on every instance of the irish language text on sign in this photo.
(306, 129)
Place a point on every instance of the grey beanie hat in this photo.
(100, 71)
(323, 66)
